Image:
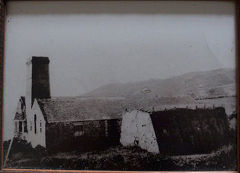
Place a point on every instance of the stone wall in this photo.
(82, 136)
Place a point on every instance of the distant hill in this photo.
(192, 85)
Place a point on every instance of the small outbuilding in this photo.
(176, 131)
(75, 123)
(20, 122)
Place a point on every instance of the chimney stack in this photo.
(38, 85)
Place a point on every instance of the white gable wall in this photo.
(38, 138)
(137, 129)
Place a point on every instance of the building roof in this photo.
(19, 116)
(62, 109)
(20, 113)
(23, 101)
(184, 113)
(67, 109)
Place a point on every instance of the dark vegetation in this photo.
(21, 151)
(23, 155)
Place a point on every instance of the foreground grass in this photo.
(121, 158)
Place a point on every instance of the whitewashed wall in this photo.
(137, 125)
(40, 137)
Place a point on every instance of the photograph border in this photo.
(3, 14)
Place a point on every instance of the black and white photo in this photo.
(120, 85)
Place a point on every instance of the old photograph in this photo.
(120, 85)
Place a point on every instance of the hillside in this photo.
(212, 83)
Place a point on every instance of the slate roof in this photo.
(67, 109)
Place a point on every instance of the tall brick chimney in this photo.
(38, 85)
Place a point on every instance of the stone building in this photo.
(64, 122)
(176, 131)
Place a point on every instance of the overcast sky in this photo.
(91, 44)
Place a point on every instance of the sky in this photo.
(92, 43)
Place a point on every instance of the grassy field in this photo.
(120, 158)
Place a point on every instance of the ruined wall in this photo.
(82, 136)
(187, 131)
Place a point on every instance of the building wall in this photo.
(188, 131)
(36, 129)
(82, 136)
(176, 132)
(20, 130)
(20, 123)
(137, 130)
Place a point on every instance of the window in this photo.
(20, 126)
(40, 124)
(35, 124)
(78, 130)
(25, 126)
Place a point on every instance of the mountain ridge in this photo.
(194, 84)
